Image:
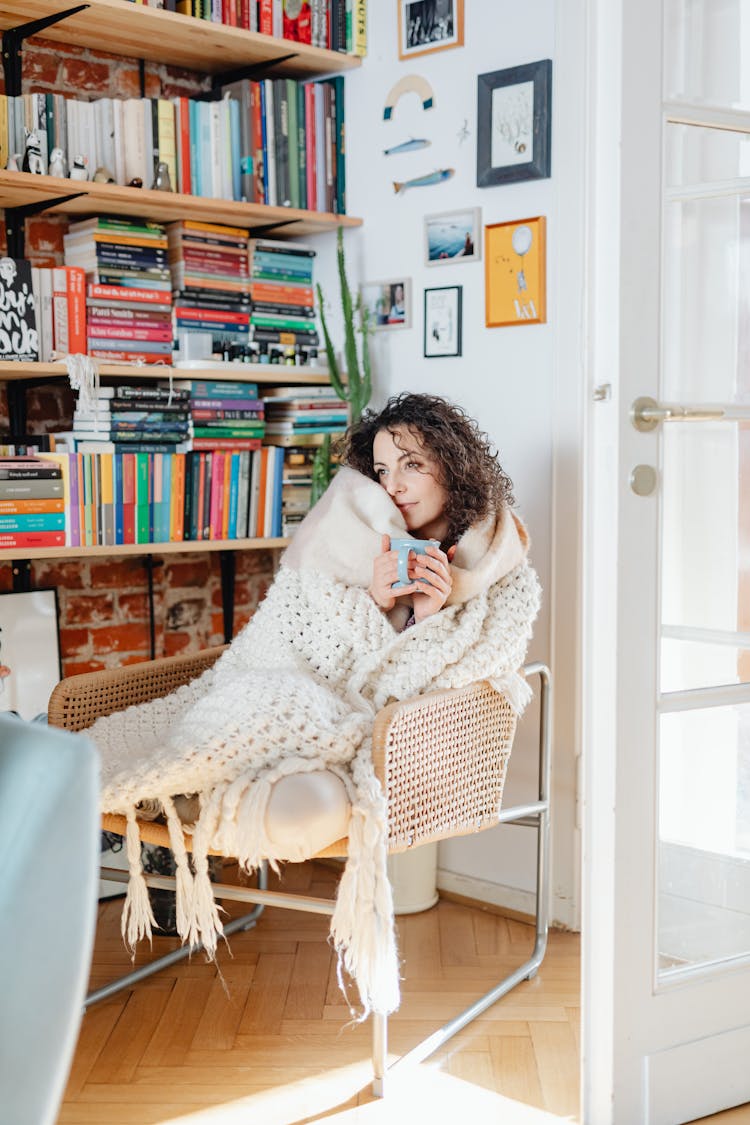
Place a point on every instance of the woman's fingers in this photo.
(385, 544)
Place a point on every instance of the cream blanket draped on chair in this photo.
(298, 690)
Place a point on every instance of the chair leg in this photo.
(536, 813)
(379, 1054)
(246, 922)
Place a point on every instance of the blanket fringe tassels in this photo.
(204, 923)
(137, 916)
(184, 883)
(362, 927)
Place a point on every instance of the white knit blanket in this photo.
(298, 690)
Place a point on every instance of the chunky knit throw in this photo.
(297, 690)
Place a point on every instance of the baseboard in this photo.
(494, 897)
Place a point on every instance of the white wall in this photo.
(505, 377)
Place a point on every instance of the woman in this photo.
(283, 721)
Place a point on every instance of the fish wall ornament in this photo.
(436, 177)
(407, 146)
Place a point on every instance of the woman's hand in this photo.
(435, 567)
(385, 573)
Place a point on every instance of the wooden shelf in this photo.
(197, 546)
(18, 189)
(249, 372)
(139, 32)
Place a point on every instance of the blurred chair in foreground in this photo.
(49, 875)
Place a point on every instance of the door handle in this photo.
(646, 413)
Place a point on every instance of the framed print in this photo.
(29, 651)
(514, 265)
(442, 321)
(514, 121)
(429, 25)
(453, 236)
(388, 302)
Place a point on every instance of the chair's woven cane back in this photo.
(443, 759)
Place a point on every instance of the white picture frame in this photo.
(443, 315)
(387, 302)
(29, 651)
(453, 237)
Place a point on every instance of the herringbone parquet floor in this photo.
(267, 1040)
(272, 1044)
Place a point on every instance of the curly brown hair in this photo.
(468, 468)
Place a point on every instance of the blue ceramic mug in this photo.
(403, 546)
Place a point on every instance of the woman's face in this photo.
(409, 474)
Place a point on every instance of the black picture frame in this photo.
(511, 123)
(442, 322)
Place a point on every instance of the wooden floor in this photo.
(267, 1039)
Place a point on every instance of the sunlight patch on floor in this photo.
(414, 1093)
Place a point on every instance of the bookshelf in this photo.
(48, 193)
(266, 373)
(153, 35)
(138, 32)
(193, 546)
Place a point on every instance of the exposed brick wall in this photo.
(103, 603)
(104, 619)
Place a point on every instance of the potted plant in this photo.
(358, 386)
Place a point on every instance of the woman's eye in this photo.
(413, 465)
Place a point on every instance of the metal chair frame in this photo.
(535, 814)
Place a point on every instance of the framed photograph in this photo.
(442, 321)
(29, 651)
(514, 122)
(425, 26)
(453, 236)
(514, 265)
(388, 302)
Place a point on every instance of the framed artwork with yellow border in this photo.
(515, 273)
(425, 26)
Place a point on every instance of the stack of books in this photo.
(224, 414)
(300, 416)
(128, 306)
(137, 419)
(281, 288)
(32, 503)
(209, 271)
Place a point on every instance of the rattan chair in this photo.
(420, 748)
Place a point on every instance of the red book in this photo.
(32, 539)
(125, 327)
(245, 14)
(262, 489)
(217, 496)
(207, 444)
(201, 493)
(76, 310)
(125, 293)
(310, 146)
(128, 497)
(223, 315)
(110, 332)
(269, 293)
(130, 357)
(184, 143)
(256, 128)
(297, 27)
(265, 17)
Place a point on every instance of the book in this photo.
(19, 337)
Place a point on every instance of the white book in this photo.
(87, 136)
(134, 140)
(107, 130)
(61, 124)
(36, 292)
(216, 152)
(45, 338)
(278, 18)
(252, 518)
(71, 119)
(243, 494)
(118, 142)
